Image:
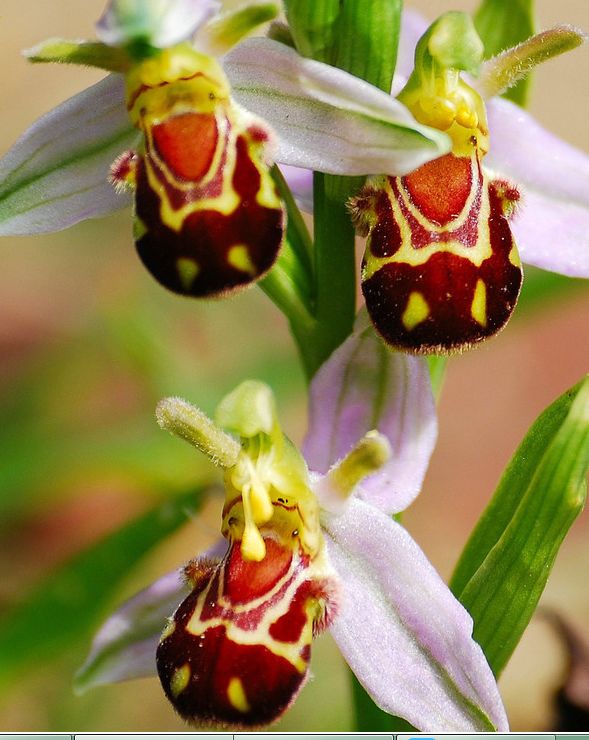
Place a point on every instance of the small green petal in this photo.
(231, 27)
(435, 92)
(450, 42)
(511, 66)
(84, 53)
(189, 423)
(503, 24)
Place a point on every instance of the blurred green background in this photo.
(89, 343)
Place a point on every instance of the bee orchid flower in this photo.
(305, 551)
(442, 266)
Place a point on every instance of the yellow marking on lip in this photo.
(239, 257)
(514, 257)
(188, 269)
(236, 695)
(290, 651)
(180, 679)
(409, 255)
(139, 228)
(478, 308)
(416, 311)
(168, 629)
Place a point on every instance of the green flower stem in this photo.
(290, 283)
(335, 268)
(282, 289)
(299, 238)
(314, 26)
(370, 40)
(361, 38)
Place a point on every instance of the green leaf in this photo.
(69, 602)
(504, 23)
(84, 53)
(505, 565)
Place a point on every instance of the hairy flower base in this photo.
(441, 270)
(208, 219)
(237, 650)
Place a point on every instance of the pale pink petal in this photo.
(363, 386)
(300, 182)
(326, 119)
(552, 225)
(57, 172)
(413, 26)
(124, 647)
(405, 636)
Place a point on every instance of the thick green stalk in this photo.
(290, 283)
(362, 38)
(335, 268)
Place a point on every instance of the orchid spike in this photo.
(309, 550)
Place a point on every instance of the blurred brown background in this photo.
(66, 293)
